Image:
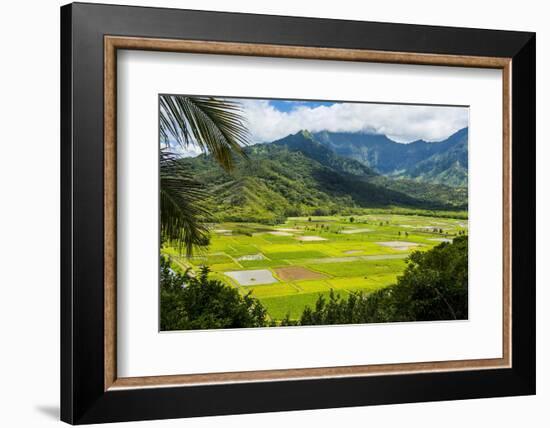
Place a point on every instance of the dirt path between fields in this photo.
(353, 259)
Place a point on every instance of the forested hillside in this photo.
(298, 176)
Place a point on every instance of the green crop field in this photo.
(309, 256)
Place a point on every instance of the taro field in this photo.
(289, 265)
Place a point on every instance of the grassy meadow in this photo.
(287, 266)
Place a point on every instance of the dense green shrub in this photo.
(189, 303)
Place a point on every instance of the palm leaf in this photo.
(214, 125)
(182, 217)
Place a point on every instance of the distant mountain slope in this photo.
(305, 143)
(448, 167)
(300, 176)
(444, 162)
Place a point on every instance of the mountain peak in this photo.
(306, 134)
(307, 144)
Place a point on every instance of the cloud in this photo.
(402, 123)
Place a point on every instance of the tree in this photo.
(212, 125)
(190, 303)
(435, 284)
(286, 322)
(351, 219)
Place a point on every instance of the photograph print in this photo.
(288, 213)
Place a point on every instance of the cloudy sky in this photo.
(269, 120)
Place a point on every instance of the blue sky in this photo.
(288, 106)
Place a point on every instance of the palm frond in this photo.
(213, 125)
(183, 218)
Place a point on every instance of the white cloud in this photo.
(402, 123)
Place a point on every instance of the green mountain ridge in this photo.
(449, 167)
(443, 162)
(298, 176)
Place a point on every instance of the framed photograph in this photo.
(266, 213)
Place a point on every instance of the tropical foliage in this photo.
(212, 125)
(182, 215)
(298, 176)
(189, 303)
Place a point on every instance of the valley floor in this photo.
(289, 265)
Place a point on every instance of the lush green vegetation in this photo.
(433, 286)
(353, 255)
(195, 302)
(419, 212)
(298, 176)
(212, 124)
